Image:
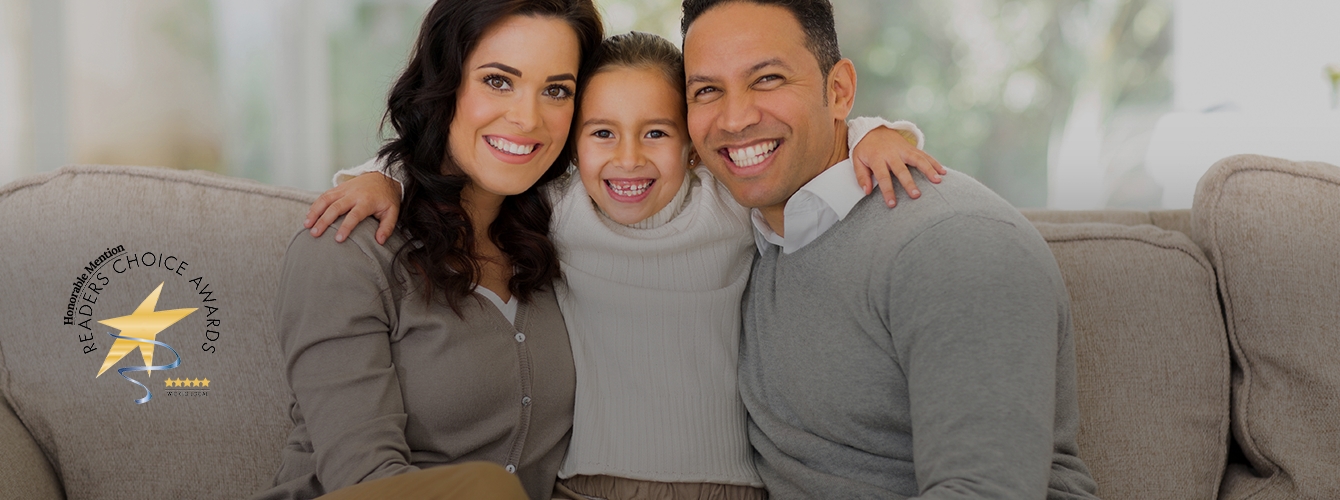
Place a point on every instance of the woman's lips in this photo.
(514, 150)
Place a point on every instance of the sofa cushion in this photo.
(1272, 229)
(214, 245)
(1151, 357)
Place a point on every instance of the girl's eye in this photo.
(558, 92)
(657, 134)
(603, 134)
(497, 82)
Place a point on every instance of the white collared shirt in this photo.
(817, 206)
(827, 198)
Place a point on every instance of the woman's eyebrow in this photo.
(559, 78)
(502, 67)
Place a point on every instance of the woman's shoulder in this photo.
(359, 251)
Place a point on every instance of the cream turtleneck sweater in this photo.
(653, 313)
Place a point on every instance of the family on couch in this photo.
(715, 303)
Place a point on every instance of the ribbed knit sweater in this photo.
(653, 311)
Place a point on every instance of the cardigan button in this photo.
(511, 469)
(525, 401)
(520, 337)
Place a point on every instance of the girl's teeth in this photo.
(629, 189)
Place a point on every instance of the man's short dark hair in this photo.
(815, 17)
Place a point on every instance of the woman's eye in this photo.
(496, 82)
(558, 92)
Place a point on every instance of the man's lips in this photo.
(750, 158)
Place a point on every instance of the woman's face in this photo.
(515, 105)
(633, 143)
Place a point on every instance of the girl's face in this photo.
(515, 105)
(633, 142)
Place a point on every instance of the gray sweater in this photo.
(924, 351)
(385, 383)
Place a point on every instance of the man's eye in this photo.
(558, 92)
(497, 82)
(770, 79)
(704, 91)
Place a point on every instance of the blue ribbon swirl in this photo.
(122, 371)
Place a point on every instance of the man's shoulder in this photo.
(957, 195)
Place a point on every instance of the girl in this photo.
(655, 256)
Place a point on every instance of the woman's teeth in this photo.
(510, 147)
(629, 188)
(752, 155)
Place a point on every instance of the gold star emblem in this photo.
(144, 323)
(205, 382)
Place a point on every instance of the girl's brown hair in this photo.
(636, 50)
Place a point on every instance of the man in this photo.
(921, 352)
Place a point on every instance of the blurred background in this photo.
(1052, 103)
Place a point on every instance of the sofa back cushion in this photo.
(1272, 229)
(1151, 357)
(89, 244)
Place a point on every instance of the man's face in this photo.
(756, 100)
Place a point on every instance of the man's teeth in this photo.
(752, 155)
(510, 147)
(625, 188)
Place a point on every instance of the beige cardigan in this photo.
(384, 384)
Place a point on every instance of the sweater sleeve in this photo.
(333, 316)
(976, 331)
(372, 165)
(857, 128)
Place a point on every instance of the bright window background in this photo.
(1049, 102)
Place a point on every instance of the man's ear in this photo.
(842, 88)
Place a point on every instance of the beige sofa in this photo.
(1208, 340)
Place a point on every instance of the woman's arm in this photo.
(886, 149)
(333, 316)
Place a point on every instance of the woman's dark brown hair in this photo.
(420, 108)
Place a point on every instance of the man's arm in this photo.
(976, 327)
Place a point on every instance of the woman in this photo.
(393, 363)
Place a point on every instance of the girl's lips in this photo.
(609, 190)
(506, 157)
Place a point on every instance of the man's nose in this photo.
(738, 113)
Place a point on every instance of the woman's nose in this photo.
(524, 113)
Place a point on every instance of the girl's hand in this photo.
(885, 153)
(368, 194)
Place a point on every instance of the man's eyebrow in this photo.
(770, 62)
(752, 69)
(502, 67)
(559, 78)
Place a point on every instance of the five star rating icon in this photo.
(202, 383)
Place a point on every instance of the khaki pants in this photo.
(620, 488)
(467, 481)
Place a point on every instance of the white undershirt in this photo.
(508, 309)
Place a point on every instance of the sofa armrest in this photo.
(23, 468)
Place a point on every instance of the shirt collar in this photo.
(812, 210)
